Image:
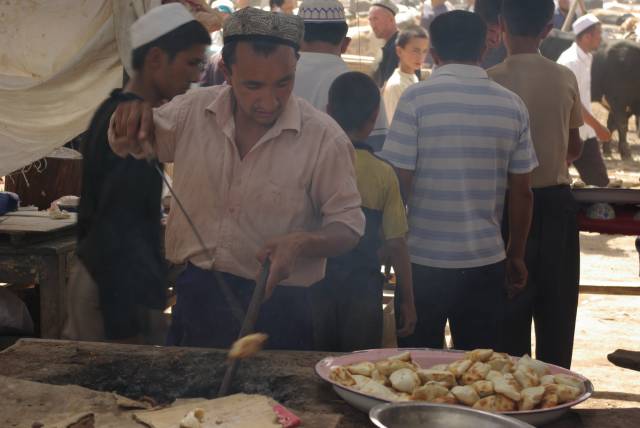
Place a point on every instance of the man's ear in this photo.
(398, 51)
(155, 59)
(345, 44)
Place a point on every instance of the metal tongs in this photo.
(248, 324)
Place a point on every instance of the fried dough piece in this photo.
(547, 380)
(531, 397)
(404, 380)
(440, 367)
(481, 355)
(444, 377)
(526, 377)
(405, 356)
(386, 367)
(549, 400)
(465, 394)
(458, 368)
(484, 388)
(247, 346)
(478, 371)
(342, 376)
(364, 368)
(539, 367)
(376, 376)
(565, 393)
(506, 387)
(446, 399)
(563, 379)
(380, 391)
(429, 392)
(501, 365)
(361, 381)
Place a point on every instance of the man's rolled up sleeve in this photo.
(334, 188)
(168, 121)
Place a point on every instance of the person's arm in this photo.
(401, 263)
(334, 191)
(405, 177)
(520, 213)
(602, 133)
(574, 151)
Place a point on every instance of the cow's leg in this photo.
(621, 119)
(611, 125)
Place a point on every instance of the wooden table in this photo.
(165, 373)
(38, 250)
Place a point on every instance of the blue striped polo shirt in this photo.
(461, 134)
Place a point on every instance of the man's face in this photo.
(413, 54)
(174, 77)
(262, 84)
(594, 38)
(380, 20)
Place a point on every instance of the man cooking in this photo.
(261, 174)
(578, 58)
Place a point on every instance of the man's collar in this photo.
(318, 57)
(460, 70)
(582, 54)
(222, 108)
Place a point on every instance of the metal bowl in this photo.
(420, 415)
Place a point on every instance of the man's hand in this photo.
(408, 319)
(603, 134)
(283, 253)
(517, 275)
(131, 131)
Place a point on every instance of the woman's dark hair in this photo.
(488, 10)
(353, 98)
(411, 32)
(458, 36)
(181, 39)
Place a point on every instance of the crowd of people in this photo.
(459, 181)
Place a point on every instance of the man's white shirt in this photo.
(314, 75)
(580, 62)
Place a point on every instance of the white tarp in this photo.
(59, 59)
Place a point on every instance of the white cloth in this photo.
(314, 75)
(394, 88)
(158, 22)
(60, 59)
(579, 62)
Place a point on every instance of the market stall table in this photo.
(35, 249)
(166, 373)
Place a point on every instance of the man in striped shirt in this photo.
(458, 141)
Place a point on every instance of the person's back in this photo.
(550, 93)
(348, 302)
(458, 141)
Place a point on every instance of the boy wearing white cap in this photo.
(325, 40)
(578, 58)
(119, 281)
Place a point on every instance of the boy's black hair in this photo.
(264, 47)
(275, 3)
(527, 18)
(458, 36)
(329, 32)
(411, 32)
(488, 10)
(353, 98)
(180, 39)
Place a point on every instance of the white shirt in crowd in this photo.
(579, 62)
(315, 73)
(394, 89)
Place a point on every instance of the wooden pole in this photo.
(569, 19)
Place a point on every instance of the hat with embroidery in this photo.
(158, 22)
(390, 5)
(224, 6)
(321, 11)
(256, 24)
(585, 22)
